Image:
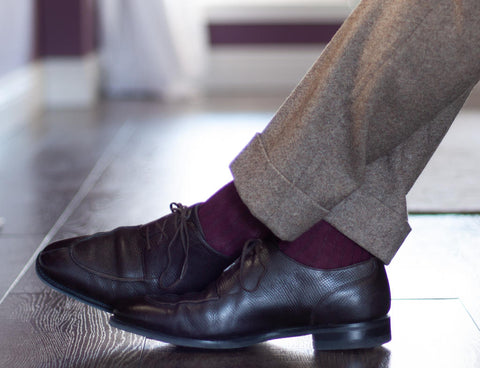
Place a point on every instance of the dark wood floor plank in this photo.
(29, 283)
(15, 251)
(45, 162)
(294, 352)
(152, 169)
(51, 330)
(165, 161)
(178, 155)
(433, 333)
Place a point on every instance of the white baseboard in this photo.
(70, 82)
(274, 70)
(254, 11)
(265, 69)
(20, 96)
(50, 83)
(262, 69)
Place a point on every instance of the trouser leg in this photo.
(352, 138)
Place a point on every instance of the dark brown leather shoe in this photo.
(169, 255)
(266, 295)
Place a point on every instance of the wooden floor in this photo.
(75, 172)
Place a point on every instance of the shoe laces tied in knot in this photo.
(250, 252)
(181, 219)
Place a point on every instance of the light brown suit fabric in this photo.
(350, 141)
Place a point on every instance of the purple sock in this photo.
(227, 222)
(324, 247)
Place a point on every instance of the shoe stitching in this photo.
(182, 215)
(98, 273)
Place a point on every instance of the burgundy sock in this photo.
(324, 247)
(227, 222)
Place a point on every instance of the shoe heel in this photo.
(363, 335)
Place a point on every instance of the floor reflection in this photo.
(266, 355)
(371, 358)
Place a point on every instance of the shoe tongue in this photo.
(195, 220)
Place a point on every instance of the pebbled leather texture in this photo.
(169, 255)
(262, 292)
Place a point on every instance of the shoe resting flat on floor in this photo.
(266, 295)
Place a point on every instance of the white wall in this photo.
(265, 69)
(16, 34)
(19, 77)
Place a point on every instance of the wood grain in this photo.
(51, 330)
(15, 251)
(434, 278)
(286, 353)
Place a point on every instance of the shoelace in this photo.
(181, 216)
(250, 251)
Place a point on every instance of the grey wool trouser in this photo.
(350, 141)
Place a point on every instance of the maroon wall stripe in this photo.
(89, 25)
(65, 28)
(241, 34)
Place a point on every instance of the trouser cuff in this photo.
(270, 196)
(289, 212)
(371, 224)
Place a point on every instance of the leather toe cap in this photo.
(64, 243)
(56, 267)
(117, 254)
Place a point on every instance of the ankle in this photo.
(324, 247)
(227, 222)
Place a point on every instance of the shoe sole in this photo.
(362, 335)
(69, 292)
